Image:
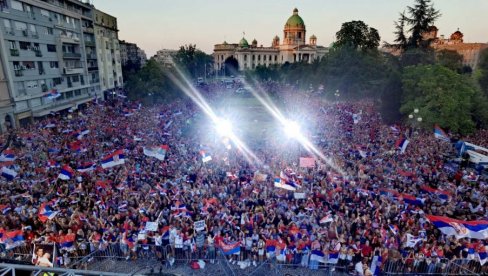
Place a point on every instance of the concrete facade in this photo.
(47, 48)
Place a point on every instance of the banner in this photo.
(151, 226)
(199, 225)
(43, 255)
(299, 195)
(307, 162)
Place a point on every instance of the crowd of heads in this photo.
(236, 197)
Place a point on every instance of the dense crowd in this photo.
(364, 203)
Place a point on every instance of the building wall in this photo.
(165, 57)
(6, 106)
(108, 51)
(43, 48)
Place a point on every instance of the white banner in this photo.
(299, 195)
(199, 225)
(151, 226)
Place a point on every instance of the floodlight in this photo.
(223, 127)
(292, 129)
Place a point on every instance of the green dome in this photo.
(243, 43)
(295, 20)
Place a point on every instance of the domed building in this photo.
(293, 48)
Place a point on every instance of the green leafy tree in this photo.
(482, 73)
(450, 59)
(442, 96)
(358, 35)
(193, 61)
(152, 84)
(422, 16)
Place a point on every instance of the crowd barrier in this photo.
(119, 258)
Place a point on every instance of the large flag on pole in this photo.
(476, 229)
(439, 133)
(114, 159)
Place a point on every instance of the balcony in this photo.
(42, 72)
(71, 55)
(14, 52)
(19, 73)
(35, 35)
(89, 43)
(93, 68)
(24, 33)
(72, 71)
(91, 56)
(38, 53)
(88, 30)
(71, 40)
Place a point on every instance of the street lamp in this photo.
(415, 117)
(337, 94)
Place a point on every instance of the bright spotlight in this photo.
(223, 127)
(292, 129)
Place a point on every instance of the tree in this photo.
(358, 35)
(401, 40)
(442, 96)
(450, 59)
(193, 61)
(152, 83)
(422, 16)
(483, 71)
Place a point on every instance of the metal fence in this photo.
(434, 266)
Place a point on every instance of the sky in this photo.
(168, 24)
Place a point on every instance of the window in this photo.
(16, 5)
(44, 13)
(33, 29)
(7, 25)
(36, 47)
(53, 64)
(29, 65)
(51, 48)
(20, 26)
(75, 78)
(264, 57)
(57, 81)
(49, 31)
(16, 65)
(24, 45)
(12, 44)
(31, 84)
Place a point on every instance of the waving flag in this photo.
(86, 167)
(66, 173)
(402, 144)
(394, 229)
(53, 94)
(128, 112)
(326, 219)
(5, 208)
(52, 164)
(412, 240)
(114, 159)
(80, 134)
(8, 173)
(205, 156)
(376, 265)
(409, 199)
(482, 255)
(67, 242)
(439, 133)
(476, 229)
(158, 152)
(12, 239)
(333, 257)
(270, 247)
(280, 183)
(46, 212)
(442, 195)
(317, 255)
(7, 156)
(75, 146)
(232, 248)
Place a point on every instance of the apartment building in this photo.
(48, 54)
(108, 51)
(131, 54)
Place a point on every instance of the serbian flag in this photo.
(165, 232)
(75, 146)
(114, 159)
(7, 156)
(482, 255)
(46, 212)
(232, 248)
(52, 164)
(205, 156)
(86, 167)
(66, 173)
(442, 195)
(128, 112)
(394, 229)
(326, 219)
(5, 208)
(158, 152)
(280, 183)
(13, 239)
(409, 199)
(270, 247)
(67, 242)
(80, 134)
(439, 133)
(402, 144)
(8, 173)
(333, 257)
(317, 256)
(475, 229)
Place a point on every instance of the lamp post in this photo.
(415, 117)
(337, 94)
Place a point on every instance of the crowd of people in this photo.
(84, 180)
